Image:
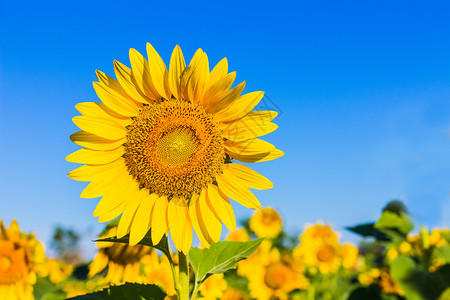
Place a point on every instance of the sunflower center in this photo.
(12, 264)
(277, 275)
(325, 254)
(174, 148)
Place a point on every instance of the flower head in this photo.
(160, 148)
(266, 222)
(21, 257)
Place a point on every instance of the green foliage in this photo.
(395, 223)
(369, 230)
(419, 284)
(163, 245)
(220, 257)
(44, 289)
(443, 253)
(126, 291)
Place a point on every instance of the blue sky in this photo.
(364, 91)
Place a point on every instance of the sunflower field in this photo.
(389, 263)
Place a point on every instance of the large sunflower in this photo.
(159, 149)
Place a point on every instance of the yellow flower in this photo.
(213, 287)
(159, 147)
(388, 284)
(122, 260)
(349, 254)
(367, 278)
(239, 235)
(276, 278)
(404, 247)
(320, 248)
(78, 288)
(157, 271)
(58, 271)
(234, 294)
(266, 222)
(256, 261)
(21, 257)
(318, 232)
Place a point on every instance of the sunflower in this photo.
(123, 262)
(159, 148)
(234, 294)
(213, 287)
(58, 270)
(239, 235)
(266, 223)
(157, 271)
(21, 257)
(276, 278)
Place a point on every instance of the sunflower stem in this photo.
(183, 293)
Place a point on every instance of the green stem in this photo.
(183, 266)
(195, 291)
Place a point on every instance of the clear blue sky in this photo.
(364, 89)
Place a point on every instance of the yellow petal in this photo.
(212, 223)
(97, 109)
(129, 84)
(251, 178)
(227, 99)
(219, 71)
(180, 224)
(98, 187)
(195, 222)
(141, 72)
(142, 220)
(112, 214)
(94, 142)
(116, 101)
(246, 128)
(112, 84)
(176, 68)
(104, 128)
(158, 72)
(239, 108)
(199, 80)
(117, 193)
(187, 74)
(159, 219)
(237, 191)
(221, 206)
(95, 157)
(257, 157)
(89, 173)
(134, 200)
(218, 91)
(249, 147)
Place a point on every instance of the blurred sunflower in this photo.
(58, 271)
(213, 287)
(21, 257)
(157, 271)
(349, 255)
(276, 278)
(234, 294)
(266, 222)
(319, 247)
(123, 262)
(159, 147)
(239, 235)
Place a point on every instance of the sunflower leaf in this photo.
(220, 257)
(163, 245)
(126, 291)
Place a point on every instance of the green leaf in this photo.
(163, 245)
(443, 253)
(418, 284)
(220, 257)
(126, 291)
(368, 230)
(395, 223)
(371, 292)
